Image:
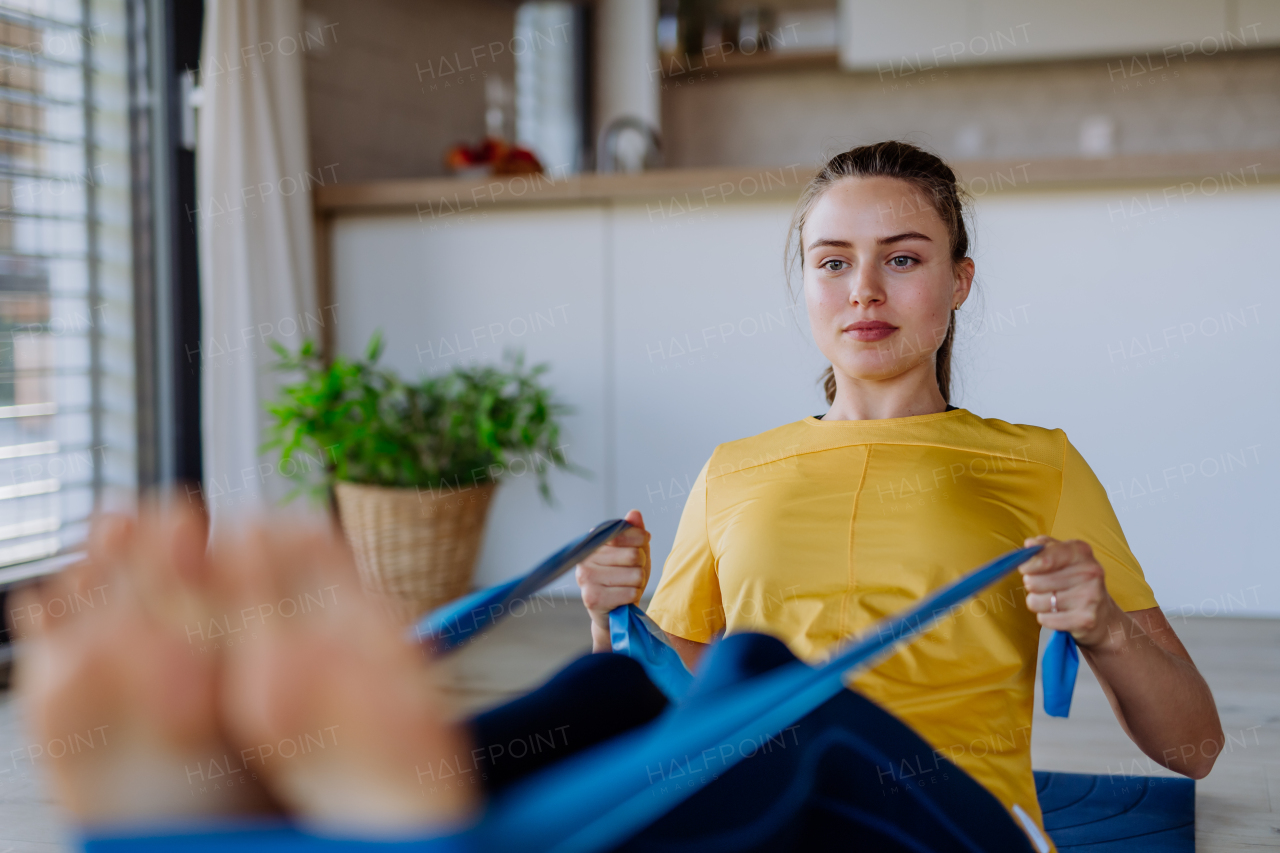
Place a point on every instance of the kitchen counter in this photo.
(442, 197)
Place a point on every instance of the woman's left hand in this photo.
(1067, 590)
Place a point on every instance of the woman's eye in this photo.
(839, 265)
(905, 260)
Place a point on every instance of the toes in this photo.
(169, 549)
(242, 569)
(328, 562)
(263, 566)
(329, 569)
(306, 559)
(187, 546)
(292, 556)
(110, 538)
(88, 583)
(167, 566)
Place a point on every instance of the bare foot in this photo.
(124, 708)
(328, 699)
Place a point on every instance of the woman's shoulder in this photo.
(999, 437)
(771, 446)
(960, 429)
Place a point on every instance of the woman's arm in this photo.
(615, 575)
(690, 651)
(1158, 695)
(1141, 663)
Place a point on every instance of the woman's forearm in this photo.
(690, 651)
(1158, 695)
(600, 639)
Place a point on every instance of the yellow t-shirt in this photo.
(815, 530)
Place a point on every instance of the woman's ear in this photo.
(962, 282)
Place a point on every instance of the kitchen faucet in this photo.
(607, 147)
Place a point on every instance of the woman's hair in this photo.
(928, 174)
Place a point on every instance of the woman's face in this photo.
(879, 282)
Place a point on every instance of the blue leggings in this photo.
(847, 776)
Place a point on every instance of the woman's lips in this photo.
(870, 331)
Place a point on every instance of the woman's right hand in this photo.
(616, 574)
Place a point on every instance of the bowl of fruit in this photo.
(491, 157)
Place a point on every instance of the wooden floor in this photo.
(1237, 806)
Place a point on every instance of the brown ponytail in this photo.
(927, 173)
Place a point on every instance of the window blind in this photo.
(67, 401)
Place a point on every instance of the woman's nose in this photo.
(865, 288)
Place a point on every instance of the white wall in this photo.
(1151, 338)
(1072, 283)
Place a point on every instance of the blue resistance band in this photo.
(1058, 673)
(634, 634)
(450, 626)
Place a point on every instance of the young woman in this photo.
(816, 529)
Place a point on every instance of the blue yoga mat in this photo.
(1118, 814)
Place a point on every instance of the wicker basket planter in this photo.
(416, 548)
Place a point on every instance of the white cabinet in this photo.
(896, 37)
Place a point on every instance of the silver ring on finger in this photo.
(1053, 602)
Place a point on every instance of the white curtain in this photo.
(257, 277)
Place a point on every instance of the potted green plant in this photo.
(412, 468)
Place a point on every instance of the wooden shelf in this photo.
(674, 67)
(443, 197)
(446, 196)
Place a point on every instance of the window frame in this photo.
(163, 43)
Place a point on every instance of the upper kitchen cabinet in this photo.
(719, 36)
(933, 33)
